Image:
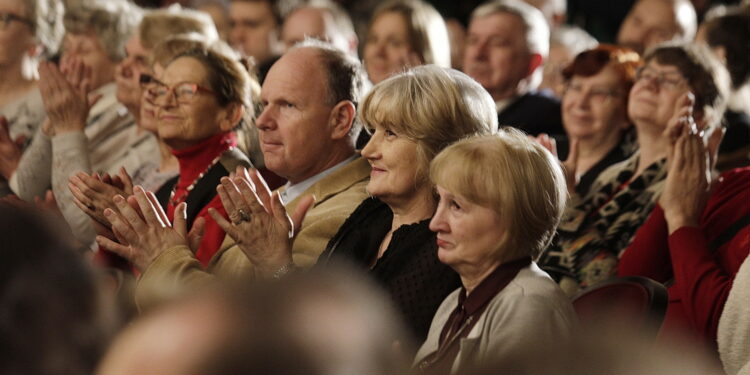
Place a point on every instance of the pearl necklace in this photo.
(192, 185)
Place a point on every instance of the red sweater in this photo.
(193, 161)
(702, 278)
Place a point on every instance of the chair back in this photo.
(631, 302)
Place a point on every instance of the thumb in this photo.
(196, 233)
(712, 147)
(298, 216)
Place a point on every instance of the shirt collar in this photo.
(291, 192)
(491, 285)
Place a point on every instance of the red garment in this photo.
(702, 278)
(193, 161)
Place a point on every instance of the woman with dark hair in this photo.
(594, 111)
(679, 83)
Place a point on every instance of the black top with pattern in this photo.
(409, 270)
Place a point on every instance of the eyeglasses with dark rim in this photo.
(595, 94)
(6, 18)
(665, 80)
(184, 92)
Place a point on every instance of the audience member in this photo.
(201, 96)
(493, 220)
(651, 22)
(330, 322)
(82, 133)
(307, 133)
(254, 30)
(677, 83)
(697, 236)
(31, 32)
(53, 319)
(320, 19)
(506, 47)
(565, 43)
(734, 329)
(402, 34)
(412, 116)
(727, 35)
(594, 110)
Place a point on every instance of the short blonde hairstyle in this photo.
(433, 106)
(111, 21)
(512, 175)
(428, 35)
(158, 25)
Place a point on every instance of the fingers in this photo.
(261, 188)
(127, 182)
(121, 224)
(712, 148)
(121, 250)
(180, 219)
(127, 214)
(147, 209)
(250, 196)
(224, 224)
(158, 208)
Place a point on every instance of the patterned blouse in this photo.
(597, 228)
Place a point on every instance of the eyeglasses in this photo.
(595, 94)
(183, 92)
(664, 80)
(6, 18)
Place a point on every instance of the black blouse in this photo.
(409, 270)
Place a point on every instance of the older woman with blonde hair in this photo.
(501, 197)
(404, 33)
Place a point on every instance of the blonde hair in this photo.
(433, 106)
(158, 25)
(428, 34)
(512, 175)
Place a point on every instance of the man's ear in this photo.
(231, 116)
(535, 61)
(341, 119)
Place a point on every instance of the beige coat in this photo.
(177, 270)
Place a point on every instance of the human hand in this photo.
(688, 182)
(67, 104)
(259, 222)
(93, 195)
(140, 239)
(570, 164)
(10, 150)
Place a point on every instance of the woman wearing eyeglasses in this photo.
(677, 84)
(200, 97)
(594, 112)
(29, 31)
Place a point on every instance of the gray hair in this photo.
(536, 29)
(573, 38)
(47, 16)
(112, 21)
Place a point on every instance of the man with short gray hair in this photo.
(506, 46)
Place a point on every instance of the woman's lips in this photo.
(442, 243)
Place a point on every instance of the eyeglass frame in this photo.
(6, 18)
(605, 95)
(146, 79)
(660, 78)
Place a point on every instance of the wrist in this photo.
(676, 222)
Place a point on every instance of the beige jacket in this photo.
(177, 270)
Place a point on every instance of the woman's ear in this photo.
(231, 116)
(341, 119)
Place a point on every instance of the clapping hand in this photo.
(10, 150)
(143, 230)
(65, 94)
(93, 193)
(258, 221)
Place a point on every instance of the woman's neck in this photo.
(168, 161)
(653, 146)
(592, 150)
(419, 207)
(471, 277)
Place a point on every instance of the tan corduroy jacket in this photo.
(177, 270)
